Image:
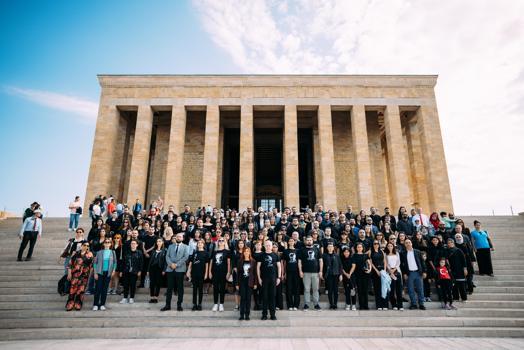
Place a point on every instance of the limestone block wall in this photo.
(192, 173)
(378, 165)
(157, 179)
(345, 169)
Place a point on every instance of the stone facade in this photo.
(372, 137)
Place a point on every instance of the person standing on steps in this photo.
(75, 209)
(291, 276)
(78, 273)
(197, 273)
(30, 231)
(156, 269)
(133, 261)
(414, 270)
(360, 270)
(332, 273)
(483, 248)
(269, 277)
(104, 267)
(219, 271)
(176, 258)
(310, 270)
(245, 282)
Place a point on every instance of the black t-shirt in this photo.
(198, 263)
(326, 240)
(149, 241)
(268, 265)
(310, 259)
(219, 259)
(246, 270)
(290, 256)
(360, 260)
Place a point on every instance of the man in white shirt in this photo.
(414, 270)
(30, 231)
(424, 220)
(74, 215)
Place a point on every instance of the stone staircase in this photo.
(30, 308)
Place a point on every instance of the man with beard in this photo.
(269, 271)
(176, 257)
(310, 270)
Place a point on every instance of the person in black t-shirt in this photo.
(360, 270)
(197, 272)
(245, 282)
(310, 269)
(291, 276)
(269, 273)
(220, 268)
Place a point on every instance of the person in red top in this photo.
(445, 284)
(111, 207)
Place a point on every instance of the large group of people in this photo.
(268, 259)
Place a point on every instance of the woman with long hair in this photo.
(360, 270)
(104, 267)
(156, 269)
(78, 272)
(197, 272)
(246, 275)
(235, 257)
(393, 268)
(347, 282)
(378, 263)
(220, 269)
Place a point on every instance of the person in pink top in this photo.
(75, 210)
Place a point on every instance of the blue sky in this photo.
(51, 52)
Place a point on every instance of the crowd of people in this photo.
(270, 259)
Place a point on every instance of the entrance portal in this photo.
(268, 168)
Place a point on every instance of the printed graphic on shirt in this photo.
(311, 255)
(269, 261)
(247, 267)
(292, 258)
(219, 258)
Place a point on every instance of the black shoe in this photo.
(404, 300)
(422, 307)
(179, 308)
(151, 301)
(306, 307)
(247, 318)
(29, 259)
(199, 307)
(241, 318)
(156, 301)
(335, 307)
(273, 318)
(263, 318)
(317, 307)
(140, 286)
(165, 308)
(413, 307)
(19, 259)
(194, 308)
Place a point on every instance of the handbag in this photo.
(67, 250)
(63, 286)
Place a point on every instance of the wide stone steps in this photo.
(31, 309)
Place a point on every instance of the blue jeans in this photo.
(415, 284)
(73, 221)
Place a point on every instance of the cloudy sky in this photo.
(50, 53)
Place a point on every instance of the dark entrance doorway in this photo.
(231, 165)
(268, 168)
(306, 164)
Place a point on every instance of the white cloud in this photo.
(84, 108)
(474, 45)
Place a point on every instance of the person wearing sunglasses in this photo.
(78, 273)
(219, 271)
(104, 267)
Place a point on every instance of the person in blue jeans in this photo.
(414, 269)
(75, 208)
(104, 267)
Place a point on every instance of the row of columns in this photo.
(435, 168)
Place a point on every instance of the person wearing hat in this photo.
(30, 231)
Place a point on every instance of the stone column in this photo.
(436, 170)
(397, 158)
(175, 158)
(210, 166)
(359, 135)
(327, 158)
(291, 188)
(140, 156)
(247, 159)
(106, 135)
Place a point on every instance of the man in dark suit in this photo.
(414, 270)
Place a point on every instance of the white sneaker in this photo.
(102, 308)
(290, 309)
(221, 307)
(385, 309)
(354, 308)
(70, 229)
(295, 309)
(348, 308)
(95, 308)
(131, 301)
(401, 309)
(123, 301)
(215, 308)
(395, 308)
(379, 309)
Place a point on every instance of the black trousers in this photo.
(348, 287)
(145, 265)
(198, 289)
(484, 261)
(245, 297)
(279, 297)
(269, 288)
(427, 287)
(395, 294)
(459, 287)
(101, 289)
(362, 281)
(377, 290)
(175, 282)
(293, 290)
(155, 281)
(129, 284)
(332, 287)
(445, 287)
(29, 237)
(257, 297)
(219, 288)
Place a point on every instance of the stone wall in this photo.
(192, 175)
(344, 161)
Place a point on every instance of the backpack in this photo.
(63, 286)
